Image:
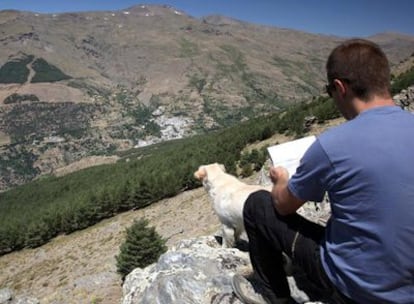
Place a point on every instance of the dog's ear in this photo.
(201, 173)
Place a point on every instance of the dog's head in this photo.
(209, 171)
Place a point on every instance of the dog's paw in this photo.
(228, 237)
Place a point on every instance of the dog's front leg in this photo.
(228, 237)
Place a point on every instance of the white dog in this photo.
(228, 195)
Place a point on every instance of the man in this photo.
(366, 165)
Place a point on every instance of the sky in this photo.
(351, 18)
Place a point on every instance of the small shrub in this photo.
(142, 247)
(189, 49)
(13, 98)
(142, 114)
(152, 128)
(252, 161)
(246, 170)
(324, 109)
(403, 81)
(197, 82)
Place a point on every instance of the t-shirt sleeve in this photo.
(310, 181)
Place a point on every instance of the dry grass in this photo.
(53, 92)
(4, 139)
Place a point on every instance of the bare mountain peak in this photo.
(389, 36)
(8, 15)
(154, 9)
(9, 11)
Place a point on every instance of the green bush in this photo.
(46, 72)
(402, 81)
(46, 118)
(13, 98)
(15, 71)
(252, 161)
(18, 162)
(142, 114)
(293, 120)
(188, 48)
(198, 82)
(246, 170)
(142, 247)
(323, 108)
(152, 128)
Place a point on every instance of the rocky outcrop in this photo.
(7, 297)
(405, 99)
(195, 271)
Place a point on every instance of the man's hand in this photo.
(279, 175)
(285, 202)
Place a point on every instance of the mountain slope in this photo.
(109, 81)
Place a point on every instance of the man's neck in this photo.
(374, 102)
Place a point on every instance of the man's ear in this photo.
(201, 173)
(340, 86)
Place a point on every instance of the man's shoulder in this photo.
(366, 120)
(341, 138)
(336, 133)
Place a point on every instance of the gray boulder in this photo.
(7, 297)
(196, 271)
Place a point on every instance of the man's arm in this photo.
(285, 202)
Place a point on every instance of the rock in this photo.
(195, 271)
(26, 300)
(309, 121)
(405, 99)
(7, 297)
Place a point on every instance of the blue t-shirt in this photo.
(366, 165)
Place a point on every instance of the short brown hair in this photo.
(363, 65)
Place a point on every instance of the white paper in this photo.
(289, 154)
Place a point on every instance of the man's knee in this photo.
(255, 202)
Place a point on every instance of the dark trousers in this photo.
(270, 234)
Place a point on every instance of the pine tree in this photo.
(142, 247)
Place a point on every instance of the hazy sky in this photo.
(343, 18)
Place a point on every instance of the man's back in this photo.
(370, 238)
